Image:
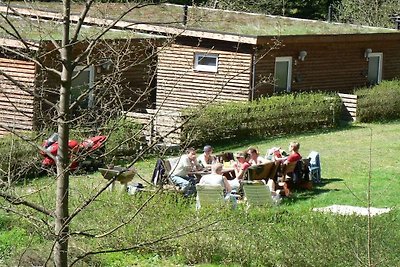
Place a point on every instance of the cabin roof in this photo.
(43, 29)
(206, 23)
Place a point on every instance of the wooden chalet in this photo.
(202, 66)
(216, 55)
(121, 78)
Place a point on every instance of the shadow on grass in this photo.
(326, 181)
(234, 143)
(318, 189)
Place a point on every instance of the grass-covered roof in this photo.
(211, 19)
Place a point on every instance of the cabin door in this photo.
(83, 84)
(374, 68)
(283, 74)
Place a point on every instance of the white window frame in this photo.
(91, 70)
(289, 77)
(380, 56)
(208, 68)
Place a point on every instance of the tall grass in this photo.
(288, 235)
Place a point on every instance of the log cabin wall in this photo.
(128, 85)
(180, 86)
(332, 64)
(16, 105)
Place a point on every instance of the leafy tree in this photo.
(367, 12)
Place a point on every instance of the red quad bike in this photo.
(85, 155)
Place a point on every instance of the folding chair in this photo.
(285, 181)
(259, 171)
(315, 167)
(257, 194)
(209, 195)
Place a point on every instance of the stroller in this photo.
(85, 155)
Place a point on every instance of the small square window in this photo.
(206, 62)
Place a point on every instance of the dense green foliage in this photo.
(292, 113)
(367, 12)
(18, 158)
(379, 103)
(125, 138)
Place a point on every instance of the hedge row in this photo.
(264, 117)
(379, 103)
(18, 159)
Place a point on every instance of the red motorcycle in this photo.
(85, 155)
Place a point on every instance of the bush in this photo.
(264, 117)
(18, 158)
(125, 139)
(380, 103)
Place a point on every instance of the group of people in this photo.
(183, 174)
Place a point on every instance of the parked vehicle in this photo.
(85, 155)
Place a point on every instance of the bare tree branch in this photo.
(18, 201)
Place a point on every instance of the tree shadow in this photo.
(234, 143)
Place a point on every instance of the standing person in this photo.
(216, 177)
(255, 157)
(207, 158)
(180, 173)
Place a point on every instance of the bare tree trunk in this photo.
(62, 193)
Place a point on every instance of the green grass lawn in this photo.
(287, 235)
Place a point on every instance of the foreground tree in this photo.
(74, 48)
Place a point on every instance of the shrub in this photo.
(380, 103)
(264, 117)
(125, 138)
(18, 158)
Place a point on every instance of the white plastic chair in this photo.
(257, 194)
(209, 195)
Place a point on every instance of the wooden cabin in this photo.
(217, 55)
(121, 78)
(245, 71)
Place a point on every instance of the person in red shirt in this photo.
(294, 153)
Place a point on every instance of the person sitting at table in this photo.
(207, 159)
(255, 157)
(216, 177)
(180, 173)
(293, 156)
(275, 153)
(240, 166)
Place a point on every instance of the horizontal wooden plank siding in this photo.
(338, 65)
(16, 105)
(166, 122)
(180, 86)
(349, 106)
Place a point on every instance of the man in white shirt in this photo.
(180, 173)
(216, 177)
(207, 159)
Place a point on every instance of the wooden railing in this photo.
(349, 107)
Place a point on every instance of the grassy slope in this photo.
(311, 239)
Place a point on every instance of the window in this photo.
(374, 68)
(283, 74)
(81, 84)
(206, 62)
